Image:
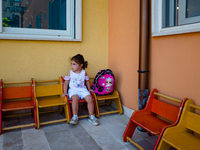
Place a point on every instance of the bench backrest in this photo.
(191, 118)
(48, 89)
(161, 108)
(16, 92)
(165, 110)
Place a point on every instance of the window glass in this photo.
(180, 12)
(170, 11)
(193, 8)
(175, 17)
(57, 20)
(35, 14)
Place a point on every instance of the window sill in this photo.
(177, 30)
(37, 37)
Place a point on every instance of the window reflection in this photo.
(36, 14)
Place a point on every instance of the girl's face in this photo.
(76, 67)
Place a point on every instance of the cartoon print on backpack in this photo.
(109, 83)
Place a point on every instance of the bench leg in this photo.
(118, 105)
(67, 113)
(38, 120)
(61, 109)
(35, 117)
(1, 120)
(129, 130)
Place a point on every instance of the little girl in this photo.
(76, 79)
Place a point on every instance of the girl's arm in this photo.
(87, 82)
(66, 84)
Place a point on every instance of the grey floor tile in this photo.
(130, 146)
(146, 145)
(102, 137)
(63, 136)
(54, 127)
(11, 121)
(34, 138)
(152, 139)
(26, 119)
(1, 141)
(13, 148)
(122, 118)
(138, 135)
(104, 108)
(114, 127)
(85, 140)
(12, 139)
(49, 116)
(40, 146)
(62, 140)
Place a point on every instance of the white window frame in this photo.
(157, 29)
(74, 34)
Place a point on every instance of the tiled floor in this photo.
(63, 136)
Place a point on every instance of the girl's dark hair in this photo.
(80, 60)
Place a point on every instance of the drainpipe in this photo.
(143, 71)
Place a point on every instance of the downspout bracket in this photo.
(143, 71)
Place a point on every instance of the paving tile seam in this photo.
(43, 135)
(106, 131)
(114, 136)
(91, 136)
(76, 139)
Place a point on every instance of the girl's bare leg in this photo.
(90, 104)
(75, 104)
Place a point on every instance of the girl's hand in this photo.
(64, 94)
(91, 90)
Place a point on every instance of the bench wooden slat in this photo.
(17, 92)
(48, 102)
(150, 123)
(48, 90)
(193, 122)
(17, 105)
(165, 110)
(183, 140)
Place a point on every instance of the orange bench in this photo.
(17, 96)
(156, 115)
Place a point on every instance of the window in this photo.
(175, 17)
(41, 20)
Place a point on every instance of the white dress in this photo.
(77, 84)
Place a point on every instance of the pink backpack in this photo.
(103, 82)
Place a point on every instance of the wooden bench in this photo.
(48, 93)
(154, 117)
(106, 100)
(181, 136)
(17, 96)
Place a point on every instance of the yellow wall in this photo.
(123, 43)
(22, 60)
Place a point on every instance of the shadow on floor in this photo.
(63, 136)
